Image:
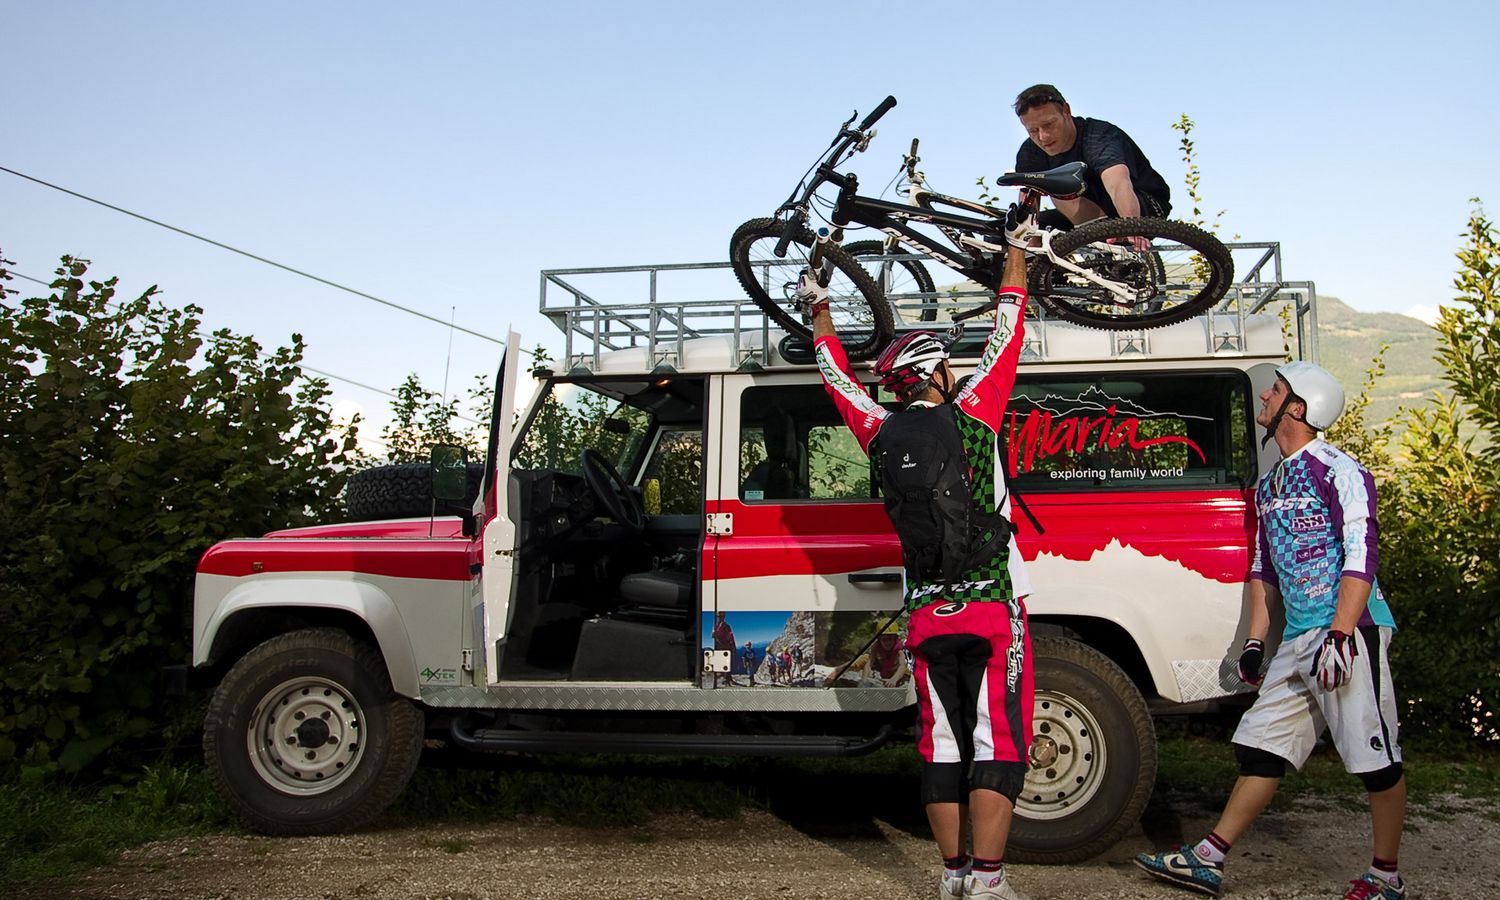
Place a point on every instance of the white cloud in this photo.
(1428, 314)
(344, 411)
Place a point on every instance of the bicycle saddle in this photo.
(1065, 181)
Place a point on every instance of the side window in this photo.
(794, 446)
(673, 480)
(1169, 429)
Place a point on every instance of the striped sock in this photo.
(1385, 870)
(989, 871)
(957, 866)
(1212, 848)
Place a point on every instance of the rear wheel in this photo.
(1093, 756)
(1185, 272)
(860, 312)
(899, 280)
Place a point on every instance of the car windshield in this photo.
(576, 417)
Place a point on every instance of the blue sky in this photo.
(439, 155)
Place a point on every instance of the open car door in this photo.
(498, 539)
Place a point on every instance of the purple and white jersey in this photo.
(1317, 524)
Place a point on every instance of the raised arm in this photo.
(855, 405)
(988, 391)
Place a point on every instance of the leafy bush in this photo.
(1439, 496)
(129, 443)
(1440, 517)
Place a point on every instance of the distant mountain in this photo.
(1349, 339)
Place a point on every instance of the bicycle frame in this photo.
(893, 219)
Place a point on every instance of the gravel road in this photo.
(1305, 852)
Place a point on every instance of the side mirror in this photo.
(450, 472)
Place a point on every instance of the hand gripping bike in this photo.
(1127, 273)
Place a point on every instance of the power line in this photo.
(246, 253)
(303, 366)
(29, 278)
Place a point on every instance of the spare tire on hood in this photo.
(404, 491)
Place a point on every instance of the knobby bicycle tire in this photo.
(1182, 283)
(921, 280)
(860, 312)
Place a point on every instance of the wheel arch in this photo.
(252, 613)
(1107, 636)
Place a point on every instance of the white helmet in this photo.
(1315, 387)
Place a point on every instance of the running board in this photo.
(502, 739)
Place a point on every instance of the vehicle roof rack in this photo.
(660, 311)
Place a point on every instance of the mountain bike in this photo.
(1130, 273)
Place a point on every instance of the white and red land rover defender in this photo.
(679, 548)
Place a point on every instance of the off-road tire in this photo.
(297, 680)
(863, 316)
(1151, 314)
(1088, 705)
(404, 491)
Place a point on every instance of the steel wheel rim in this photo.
(304, 736)
(1065, 779)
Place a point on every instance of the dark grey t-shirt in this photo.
(1101, 145)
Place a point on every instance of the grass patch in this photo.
(51, 831)
(1201, 770)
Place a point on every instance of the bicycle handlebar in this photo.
(824, 172)
(877, 112)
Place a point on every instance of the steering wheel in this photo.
(612, 491)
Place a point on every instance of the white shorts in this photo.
(1291, 711)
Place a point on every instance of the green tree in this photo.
(421, 418)
(1439, 512)
(1440, 516)
(129, 443)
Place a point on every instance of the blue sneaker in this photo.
(1370, 886)
(1182, 866)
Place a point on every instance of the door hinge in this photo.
(468, 663)
(716, 661)
(721, 523)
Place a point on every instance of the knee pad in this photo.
(1381, 779)
(943, 783)
(1004, 778)
(1259, 763)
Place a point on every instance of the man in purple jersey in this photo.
(1316, 555)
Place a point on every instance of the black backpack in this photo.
(924, 476)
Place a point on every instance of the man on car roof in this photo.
(1120, 182)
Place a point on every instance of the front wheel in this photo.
(860, 312)
(1093, 756)
(905, 283)
(305, 736)
(1185, 272)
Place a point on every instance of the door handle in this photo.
(875, 578)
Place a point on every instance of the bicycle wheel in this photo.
(897, 279)
(860, 312)
(1185, 272)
